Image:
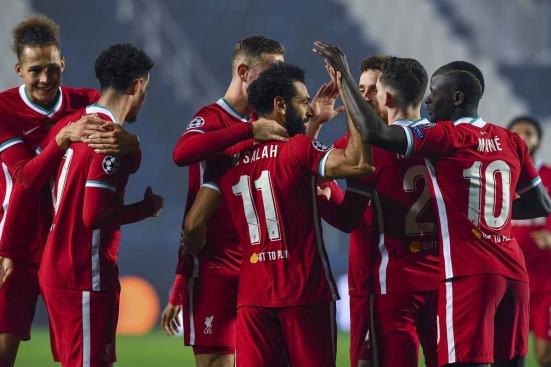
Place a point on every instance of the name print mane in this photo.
(489, 145)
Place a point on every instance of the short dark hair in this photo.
(466, 77)
(35, 31)
(276, 81)
(373, 62)
(252, 47)
(407, 78)
(121, 64)
(529, 119)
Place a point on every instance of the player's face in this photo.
(529, 134)
(139, 100)
(41, 69)
(368, 87)
(382, 109)
(262, 64)
(299, 111)
(440, 105)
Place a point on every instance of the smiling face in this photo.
(41, 68)
(368, 87)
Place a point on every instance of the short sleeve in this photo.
(105, 172)
(204, 121)
(429, 139)
(310, 154)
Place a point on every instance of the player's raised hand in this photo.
(542, 238)
(267, 130)
(169, 319)
(6, 270)
(323, 102)
(111, 138)
(157, 200)
(332, 55)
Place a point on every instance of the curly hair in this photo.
(250, 49)
(276, 81)
(466, 78)
(530, 120)
(121, 64)
(34, 31)
(407, 78)
(374, 62)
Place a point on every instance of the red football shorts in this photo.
(209, 309)
(18, 300)
(360, 345)
(82, 325)
(400, 323)
(540, 315)
(477, 311)
(305, 334)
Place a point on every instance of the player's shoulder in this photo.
(307, 141)
(86, 95)
(208, 114)
(9, 98)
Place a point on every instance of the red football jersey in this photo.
(537, 261)
(221, 254)
(405, 257)
(89, 193)
(23, 125)
(359, 252)
(475, 168)
(271, 193)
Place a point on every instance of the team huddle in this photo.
(438, 210)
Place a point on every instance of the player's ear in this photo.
(458, 98)
(62, 63)
(19, 69)
(135, 86)
(389, 100)
(242, 70)
(280, 106)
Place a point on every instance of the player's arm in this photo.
(342, 210)
(101, 211)
(169, 318)
(197, 145)
(372, 129)
(533, 203)
(206, 202)
(353, 161)
(34, 172)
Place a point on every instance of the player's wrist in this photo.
(62, 139)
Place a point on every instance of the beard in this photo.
(294, 124)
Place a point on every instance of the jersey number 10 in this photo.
(484, 185)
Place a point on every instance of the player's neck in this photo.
(408, 113)
(119, 105)
(238, 99)
(463, 112)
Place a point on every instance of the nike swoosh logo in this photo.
(30, 131)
